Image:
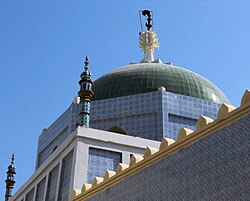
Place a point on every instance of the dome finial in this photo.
(148, 40)
(148, 13)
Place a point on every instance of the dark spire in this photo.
(86, 72)
(12, 159)
(85, 94)
(86, 62)
(148, 13)
(10, 181)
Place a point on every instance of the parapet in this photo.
(205, 126)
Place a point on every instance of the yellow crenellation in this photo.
(86, 187)
(203, 122)
(245, 101)
(150, 151)
(135, 159)
(165, 143)
(224, 110)
(108, 174)
(96, 181)
(183, 133)
(121, 167)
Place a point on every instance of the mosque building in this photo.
(144, 131)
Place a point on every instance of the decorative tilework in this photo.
(182, 120)
(65, 177)
(213, 168)
(143, 115)
(100, 160)
(54, 129)
(147, 115)
(55, 134)
(52, 184)
(40, 189)
(45, 153)
(30, 195)
(139, 115)
(186, 107)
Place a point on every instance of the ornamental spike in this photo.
(10, 180)
(86, 62)
(85, 94)
(12, 158)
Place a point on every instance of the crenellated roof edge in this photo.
(186, 137)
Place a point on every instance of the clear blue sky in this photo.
(43, 44)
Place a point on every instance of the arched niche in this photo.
(116, 129)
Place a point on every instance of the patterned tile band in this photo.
(99, 160)
(146, 115)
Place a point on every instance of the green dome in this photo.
(148, 77)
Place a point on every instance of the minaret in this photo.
(148, 40)
(85, 94)
(10, 181)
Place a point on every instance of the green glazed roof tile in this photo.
(147, 77)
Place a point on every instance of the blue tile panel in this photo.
(173, 118)
(40, 189)
(152, 115)
(47, 151)
(52, 184)
(138, 115)
(100, 160)
(30, 195)
(57, 132)
(143, 115)
(183, 111)
(213, 168)
(63, 194)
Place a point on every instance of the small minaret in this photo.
(86, 93)
(148, 40)
(10, 181)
